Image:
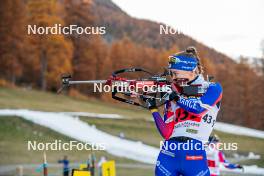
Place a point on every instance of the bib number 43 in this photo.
(209, 119)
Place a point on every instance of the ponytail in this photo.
(192, 52)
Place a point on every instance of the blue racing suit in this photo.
(187, 122)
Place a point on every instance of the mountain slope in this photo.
(120, 24)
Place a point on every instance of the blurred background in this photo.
(230, 45)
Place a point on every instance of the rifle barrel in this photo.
(92, 81)
(87, 82)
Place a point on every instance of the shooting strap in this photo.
(124, 100)
(130, 70)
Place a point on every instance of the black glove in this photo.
(151, 103)
(240, 167)
(174, 96)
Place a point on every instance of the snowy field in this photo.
(70, 125)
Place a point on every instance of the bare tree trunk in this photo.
(13, 79)
(43, 70)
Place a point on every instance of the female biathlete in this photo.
(188, 120)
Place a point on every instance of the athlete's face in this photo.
(181, 75)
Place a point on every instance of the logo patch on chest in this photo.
(197, 157)
(193, 131)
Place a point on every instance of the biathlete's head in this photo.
(185, 66)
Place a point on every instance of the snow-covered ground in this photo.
(77, 129)
(95, 115)
(67, 124)
(220, 126)
(235, 129)
(238, 130)
(248, 170)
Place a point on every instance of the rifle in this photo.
(124, 89)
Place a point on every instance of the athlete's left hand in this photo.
(151, 103)
(174, 96)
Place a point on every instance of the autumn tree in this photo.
(99, 51)
(87, 48)
(262, 58)
(12, 36)
(125, 53)
(79, 13)
(91, 57)
(50, 53)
